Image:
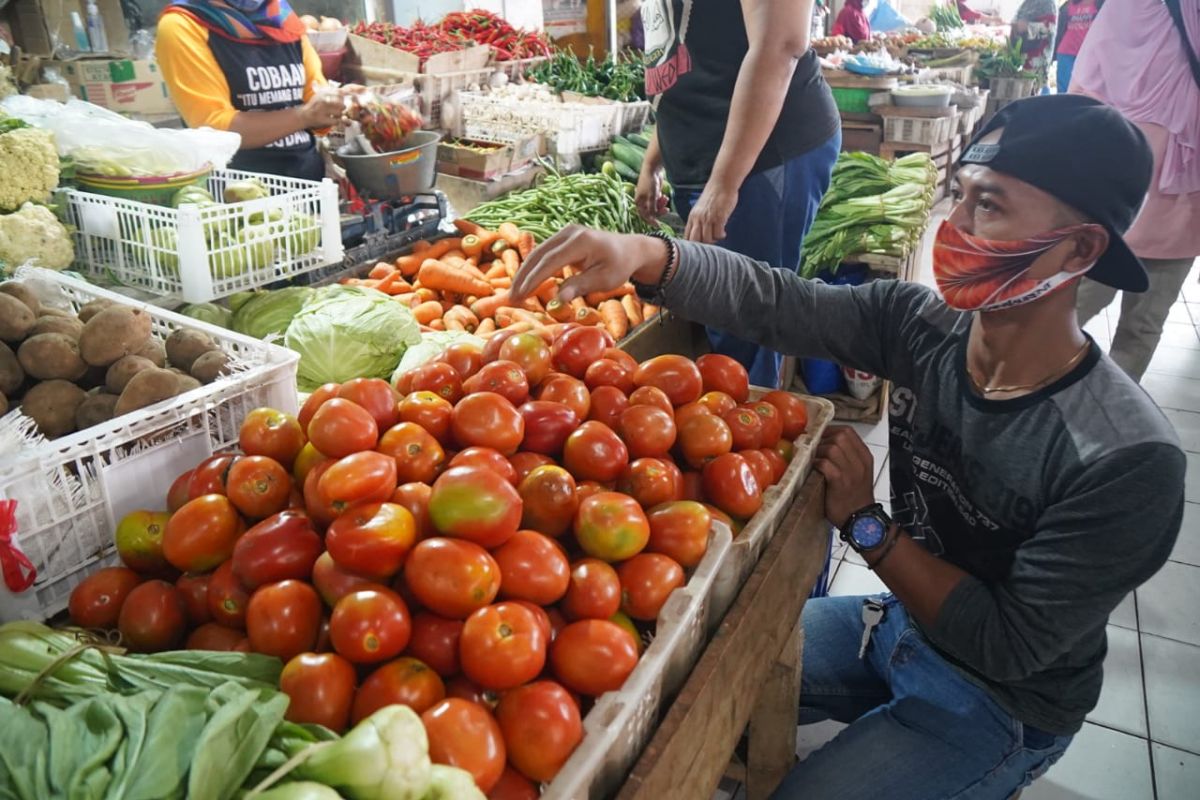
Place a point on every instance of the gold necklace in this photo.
(1063, 370)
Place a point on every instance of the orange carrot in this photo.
(613, 315)
(426, 313)
(421, 245)
(511, 262)
(495, 271)
(443, 277)
(649, 311)
(588, 316)
(633, 309)
(448, 302)
(498, 247)
(425, 295)
(468, 228)
(381, 270)
(455, 252)
(477, 243)
(438, 324)
(532, 317)
(510, 233)
(463, 316)
(569, 271)
(501, 283)
(368, 283)
(526, 245)
(406, 298)
(441, 247)
(504, 316)
(577, 305)
(531, 303)
(487, 306)
(486, 327)
(596, 298)
(559, 311)
(393, 284)
(547, 290)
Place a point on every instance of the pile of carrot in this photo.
(461, 283)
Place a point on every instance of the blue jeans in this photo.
(1066, 65)
(918, 729)
(774, 211)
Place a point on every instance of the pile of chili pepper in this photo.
(622, 79)
(385, 124)
(421, 40)
(484, 27)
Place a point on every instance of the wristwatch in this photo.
(867, 528)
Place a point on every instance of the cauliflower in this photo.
(35, 234)
(29, 164)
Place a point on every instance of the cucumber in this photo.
(628, 155)
(625, 171)
(640, 139)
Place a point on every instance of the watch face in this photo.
(868, 532)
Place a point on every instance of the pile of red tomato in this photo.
(480, 542)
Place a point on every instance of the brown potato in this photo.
(3, 404)
(114, 333)
(50, 356)
(93, 308)
(146, 388)
(24, 294)
(122, 370)
(52, 405)
(94, 409)
(12, 374)
(51, 311)
(187, 383)
(154, 351)
(184, 346)
(67, 326)
(210, 366)
(16, 319)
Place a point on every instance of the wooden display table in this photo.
(747, 676)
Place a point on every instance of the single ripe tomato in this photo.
(718, 403)
(258, 486)
(370, 625)
(502, 646)
(621, 357)
(745, 427)
(778, 465)
(340, 428)
(475, 504)
(629, 626)
(139, 540)
(211, 636)
(485, 419)
(272, 434)
(315, 400)
(730, 483)
(720, 516)
(680, 530)
(465, 735)
(530, 353)
(405, 681)
(372, 540)
(594, 591)
(607, 405)
(543, 618)
(435, 641)
(227, 598)
(194, 591)
(491, 350)
(283, 619)
(152, 618)
(209, 476)
(568, 391)
(724, 374)
(465, 357)
(677, 376)
(547, 426)
(486, 458)
(586, 489)
(500, 377)
(593, 656)
(651, 396)
(202, 534)
(366, 477)
(650, 481)
(764, 473)
(333, 582)
(513, 786)
(549, 500)
(647, 431)
(772, 422)
(594, 453)
(793, 411)
(464, 689)
(316, 504)
(647, 580)
(686, 412)
(96, 602)
(418, 454)
(532, 567)
(375, 395)
(577, 349)
(440, 378)
(611, 526)
(415, 497)
(703, 437)
(320, 688)
(177, 495)
(430, 412)
(451, 577)
(607, 372)
(541, 726)
(786, 450)
(281, 547)
(525, 462)
(309, 457)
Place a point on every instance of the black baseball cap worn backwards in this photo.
(1085, 154)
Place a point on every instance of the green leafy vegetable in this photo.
(265, 313)
(211, 313)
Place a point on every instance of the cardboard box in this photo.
(507, 157)
(371, 56)
(49, 91)
(43, 27)
(122, 85)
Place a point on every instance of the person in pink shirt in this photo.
(1074, 19)
(1142, 58)
(852, 22)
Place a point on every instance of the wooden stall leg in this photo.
(772, 728)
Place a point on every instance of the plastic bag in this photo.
(105, 142)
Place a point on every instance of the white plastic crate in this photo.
(72, 491)
(1012, 88)
(515, 70)
(197, 254)
(434, 90)
(919, 130)
(571, 127)
(621, 723)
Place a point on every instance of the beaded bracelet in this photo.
(655, 294)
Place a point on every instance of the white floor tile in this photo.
(1171, 669)
(811, 738)
(1180, 336)
(1176, 773)
(1191, 481)
(1179, 313)
(1187, 425)
(1172, 360)
(1167, 605)
(1187, 546)
(1100, 764)
(1172, 391)
(873, 432)
(1122, 702)
(1125, 615)
(852, 579)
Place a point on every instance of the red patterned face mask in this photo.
(976, 274)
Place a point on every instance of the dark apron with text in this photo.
(269, 77)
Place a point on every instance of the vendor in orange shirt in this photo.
(247, 66)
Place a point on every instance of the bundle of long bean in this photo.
(598, 200)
